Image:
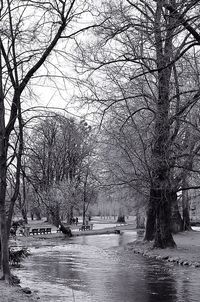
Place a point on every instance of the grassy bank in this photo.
(187, 251)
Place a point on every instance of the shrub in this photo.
(16, 256)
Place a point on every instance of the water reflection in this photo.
(160, 283)
(86, 269)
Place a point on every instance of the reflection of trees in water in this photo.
(184, 290)
(61, 267)
(121, 239)
(171, 284)
(188, 285)
(111, 278)
(161, 284)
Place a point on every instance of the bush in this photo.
(16, 256)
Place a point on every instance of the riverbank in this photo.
(15, 294)
(186, 253)
(34, 239)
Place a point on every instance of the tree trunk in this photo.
(176, 220)
(37, 213)
(4, 245)
(54, 216)
(85, 198)
(70, 214)
(160, 197)
(186, 219)
(84, 210)
(163, 235)
(121, 219)
(140, 220)
(24, 215)
(65, 230)
(121, 216)
(186, 206)
(3, 224)
(3, 171)
(151, 220)
(24, 206)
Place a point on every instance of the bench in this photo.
(34, 232)
(48, 230)
(85, 228)
(117, 231)
(40, 231)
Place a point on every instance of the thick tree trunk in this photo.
(160, 198)
(163, 235)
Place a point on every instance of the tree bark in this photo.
(160, 198)
(163, 234)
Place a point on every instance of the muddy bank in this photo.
(186, 253)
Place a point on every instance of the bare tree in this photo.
(143, 47)
(30, 32)
(57, 157)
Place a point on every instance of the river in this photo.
(98, 269)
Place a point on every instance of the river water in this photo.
(92, 269)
